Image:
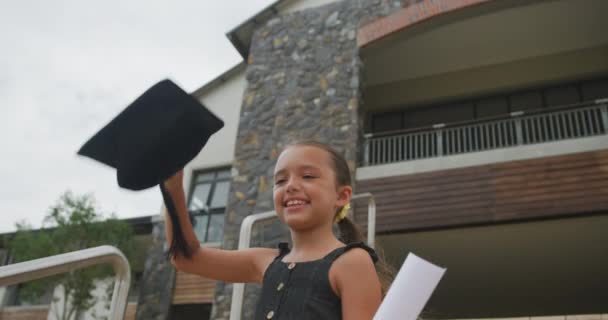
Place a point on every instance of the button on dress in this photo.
(301, 290)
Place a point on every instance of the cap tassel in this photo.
(178, 243)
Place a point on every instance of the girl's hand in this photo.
(175, 182)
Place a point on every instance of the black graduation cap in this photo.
(154, 137)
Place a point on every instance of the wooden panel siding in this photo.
(41, 312)
(130, 312)
(192, 289)
(539, 188)
(24, 313)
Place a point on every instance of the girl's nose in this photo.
(292, 185)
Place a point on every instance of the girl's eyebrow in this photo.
(303, 167)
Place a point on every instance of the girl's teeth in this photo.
(294, 203)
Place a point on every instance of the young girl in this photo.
(321, 276)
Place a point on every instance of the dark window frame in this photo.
(218, 211)
(4, 256)
(474, 101)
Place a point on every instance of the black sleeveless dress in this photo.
(302, 291)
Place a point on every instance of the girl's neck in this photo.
(313, 243)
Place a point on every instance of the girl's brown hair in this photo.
(349, 231)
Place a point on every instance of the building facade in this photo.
(478, 126)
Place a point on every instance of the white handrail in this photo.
(44, 267)
(238, 289)
(371, 217)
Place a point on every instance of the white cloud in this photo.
(68, 67)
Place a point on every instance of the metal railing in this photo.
(371, 216)
(61, 263)
(519, 128)
(238, 289)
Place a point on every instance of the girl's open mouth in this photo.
(295, 204)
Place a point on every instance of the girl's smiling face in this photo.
(305, 192)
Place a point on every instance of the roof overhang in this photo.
(241, 35)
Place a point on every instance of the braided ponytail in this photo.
(351, 232)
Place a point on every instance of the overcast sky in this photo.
(67, 67)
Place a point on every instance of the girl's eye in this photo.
(279, 181)
(309, 176)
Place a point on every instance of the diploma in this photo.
(410, 290)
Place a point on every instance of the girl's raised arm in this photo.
(225, 265)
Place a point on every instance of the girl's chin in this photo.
(298, 208)
(295, 218)
(295, 224)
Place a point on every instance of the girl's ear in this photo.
(344, 195)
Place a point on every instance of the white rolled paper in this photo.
(411, 289)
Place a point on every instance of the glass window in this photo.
(207, 203)
(561, 96)
(199, 197)
(421, 117)
(3, 257)
(216, 228)
(220, 194)
(492, 107)
(497, 105)
(200, 225)
(223, 174)
(428, 116)
(456, 112)
(387, 122)
(531, 100)
(202, 177)
(594, 90)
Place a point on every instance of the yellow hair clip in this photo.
(342, 213)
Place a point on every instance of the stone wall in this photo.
(156, 292)
(304, 75)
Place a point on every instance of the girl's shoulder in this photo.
(354, 261)
(284, 250)
(354, 279)
(355, 252)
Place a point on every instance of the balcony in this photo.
(517, 129)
